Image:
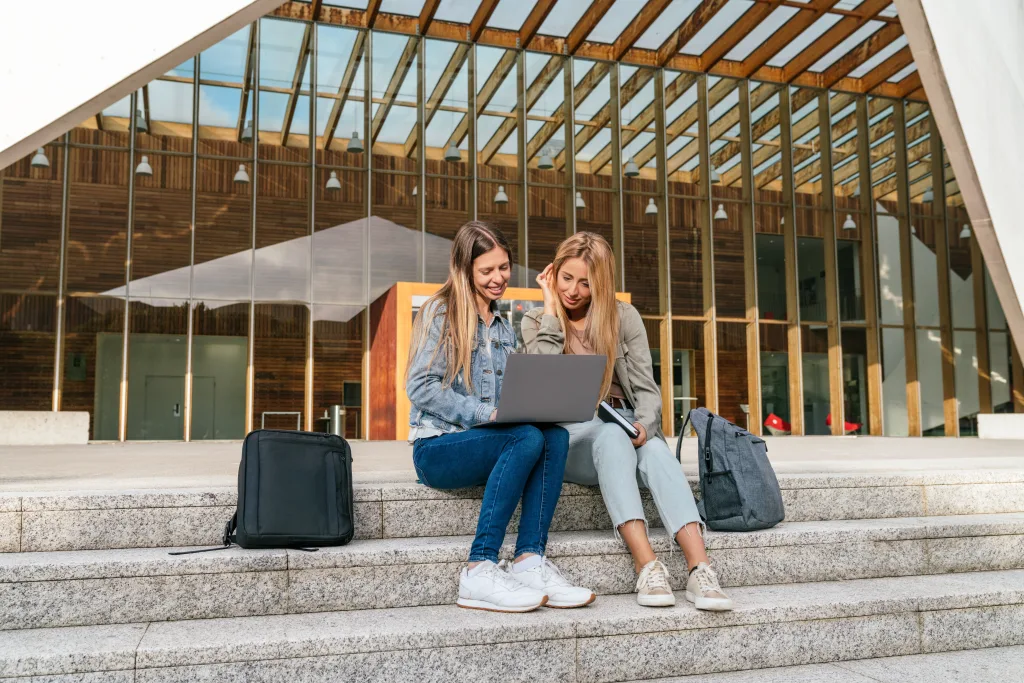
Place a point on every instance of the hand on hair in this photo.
(546, 281)
(494, 415)
(642, 439)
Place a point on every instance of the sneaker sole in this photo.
(573, 605)
(710, 604)
(656, 601)
(466, 603)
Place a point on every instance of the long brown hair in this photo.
(602, 327)
(456, 302)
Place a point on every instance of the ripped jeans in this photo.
(601, 453)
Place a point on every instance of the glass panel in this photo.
(545, 125)
(338, 365)
(855, 381)
(220, 356)
(684, 219)
(687, 367)
(161, 233)
(546, 209)
(97, 222)
(340, 84)
(284, 90)
(30, 222)
(929, 372)
(817, 399)
(27, 338)
(447, 211)
(733, 403)
(965, 359)
(919, 159)
(395, 63)
(882, 141)
(890, 271)
(92, 362)
(999, 366)
(851, 294)
(894, 383)
(923, 241)
(166, 107)
(771, 263)
(775, 379)
(396, 242)
(636, 97)
(446, 89)
(681, 134)
(279, 365)
(503, 215)
(996, 319)
(807, 142)
(811, 278)
(594, 212)
(641, 253)
(157, 347)
(727, 238)
(228, 63)
(223, 251)
(282, 233)
(766, 142)
(340, 236)
(961, 265)
(846, 179)
(724, 122)
(497, 75)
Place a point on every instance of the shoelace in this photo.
(500, 575)
(550, 573)
(656, 576)
(708, 580)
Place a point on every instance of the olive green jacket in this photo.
(633, 366)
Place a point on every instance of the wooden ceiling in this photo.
(796, 71)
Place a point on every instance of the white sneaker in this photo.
(652, 586)
(703, 591)
(547, 578)
(492, 589)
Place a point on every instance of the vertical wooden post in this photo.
(664, 260)
(793, 332)
(869, 269)
(750, 263)
(421, 151)
(907, 270)
(1017, 372)
(950, 410)
(471, 118)
(569, 115)
(706, 244)
(615, 105)
(837, 406)
(523, 256)
(981, 328)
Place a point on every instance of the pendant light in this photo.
(928, 197)
(966, 232)
(721, 215)
(913, 229)
(452, 153)
(545, 163)
(40, 160)
(715, 178)
(333, 183)
(848, 224)
(500, 197)
(580, 204)
(631, 168)
(144, 168)
(856, 191)
(652, 208)
(247, 131)
(242, 176)
(140, 122)
(415, 190)
(355, 145)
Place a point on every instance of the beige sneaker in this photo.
(703, 591)
(652, 587)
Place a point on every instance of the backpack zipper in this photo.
(707, 445)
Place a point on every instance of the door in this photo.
(164, 408)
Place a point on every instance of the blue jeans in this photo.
(514, 462)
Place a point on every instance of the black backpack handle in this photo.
(679, 441)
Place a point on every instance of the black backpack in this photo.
(738, 487)
(294, 491)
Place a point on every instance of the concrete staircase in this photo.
(866, 566)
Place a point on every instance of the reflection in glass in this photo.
(855, 388)
(965, 360)
(775, 379)
(851, 295)
(811, 278)
(771, 277)
(157, 347)
(999, 365)
(279, 365)
(92, 362)
(219, 361)
(894, 383)
(338, 365)
(687, 367)
(733, 403)
(929, 372)
(814, 362)
(27, 338)
(890, 272)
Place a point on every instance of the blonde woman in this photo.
(456, 363)
(581, 316)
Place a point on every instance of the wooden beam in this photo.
(586, 24)
(580, 93)
(145, 109)
(99, 121)
(486, 94)
(867, 49)
(397, 78)
(534, 21)
(869, 273)
(427, 15)
(246, 84)
(735, 33)
(300, 69)
(825, 43)
(533, 93)
(480, 19)
(647, 15)
(910, 84)
(444, 84)
(372, 11)
(913, 382)
(794, 335)
(756, 60)
(884, 71)
(697, 20)
(800, 129)
(707, 257)
(344, 88)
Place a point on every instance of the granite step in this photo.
(82, 588)
(989, 665)
(97, 520)
(612, 640)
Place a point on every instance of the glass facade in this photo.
(201, 258)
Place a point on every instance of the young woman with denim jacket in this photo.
(581, 315)
(456, 363)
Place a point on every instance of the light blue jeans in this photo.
(602, 454)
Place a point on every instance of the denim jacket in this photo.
(438, 410)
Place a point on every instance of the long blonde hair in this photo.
(456, 302)
(602, 327)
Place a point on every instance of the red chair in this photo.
(777, 426)
(848, 427)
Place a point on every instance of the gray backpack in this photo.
(738, 488)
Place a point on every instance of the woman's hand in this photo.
(546, 281)
(494, 415)
(642, 439)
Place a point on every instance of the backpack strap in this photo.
(679, 441)
(227, 539)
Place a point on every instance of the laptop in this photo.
(550, 388)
